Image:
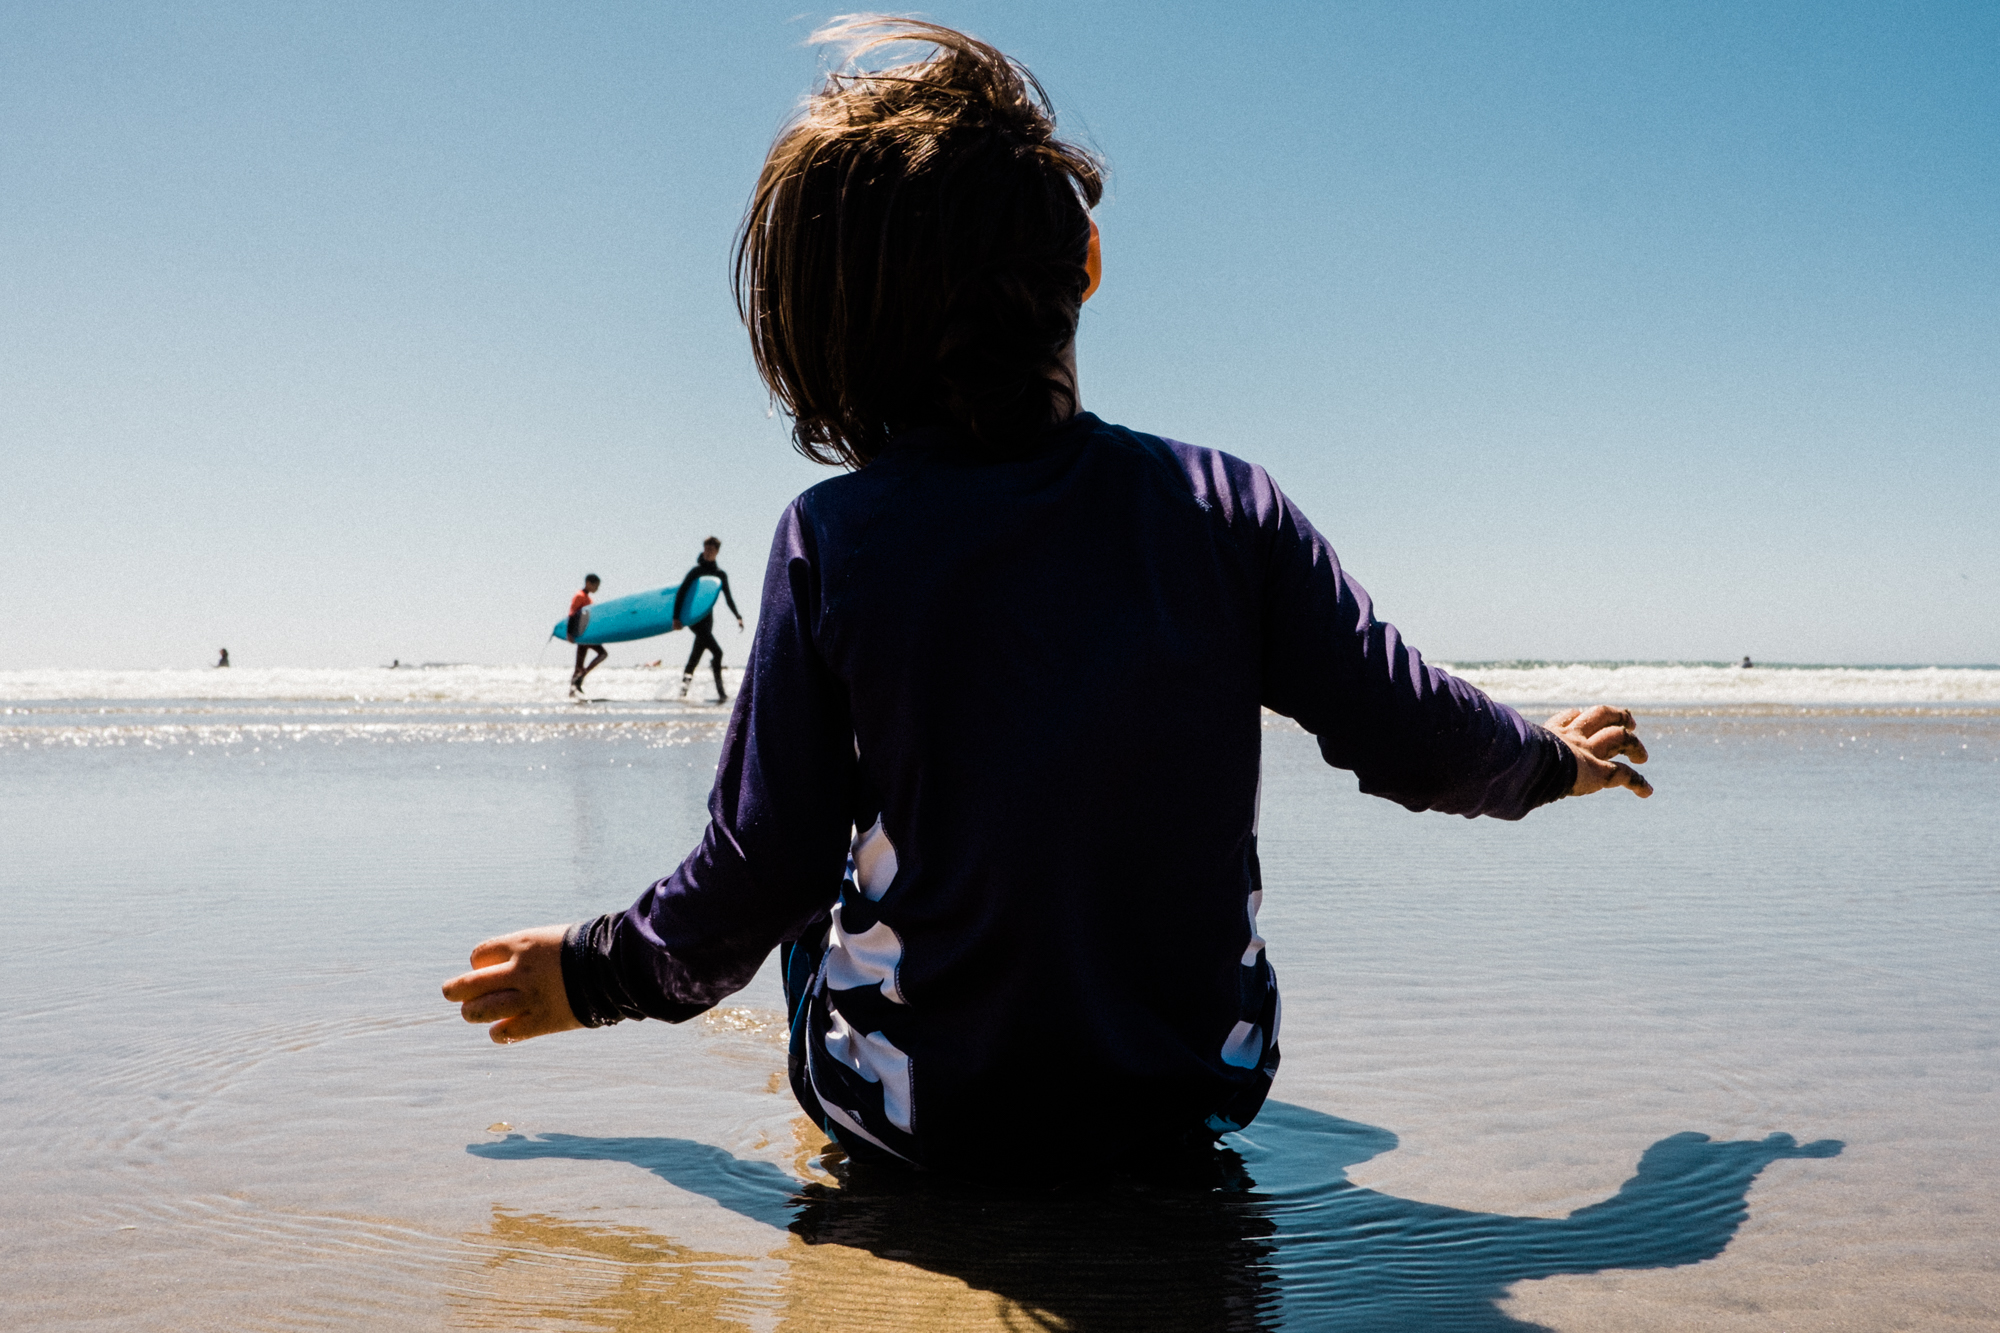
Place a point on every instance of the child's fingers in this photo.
(1595, 775)
(1624, 776)
(537, 1016)
(520, 1027)
(470, 985)
(493, 1006)
(1615, 741)
(1599, 716)
(486, 953)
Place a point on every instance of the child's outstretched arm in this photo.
(780, 817)
(517, 985)
(1411, 733)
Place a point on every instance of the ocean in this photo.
(1724, 1059)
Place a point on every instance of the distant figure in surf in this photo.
(576, 605)
(223, 661)
(1007, 856)
(704, 629)
(1747, 664)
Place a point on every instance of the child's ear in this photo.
(1093, 262)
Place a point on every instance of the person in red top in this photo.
(576, 605)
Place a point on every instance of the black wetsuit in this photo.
(704, 629)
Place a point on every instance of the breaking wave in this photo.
(1696, 684)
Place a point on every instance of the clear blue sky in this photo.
(343, 332)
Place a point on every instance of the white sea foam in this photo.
(1713, 684)
(1676, 683)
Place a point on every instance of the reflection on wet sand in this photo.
(551, 1273)
(556, 1274)
(548, 1273)
(1263, 1233)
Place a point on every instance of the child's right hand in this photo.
(1598, 735)
(516, 980)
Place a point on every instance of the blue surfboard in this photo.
(642, 614)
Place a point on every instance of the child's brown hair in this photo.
(914, 253)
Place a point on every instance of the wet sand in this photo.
(236, 1101)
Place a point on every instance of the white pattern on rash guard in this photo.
(1245, 1044)
(860, 960)
(1256, 947)
(875, 1058)
(847, 1119)
(874, 862)
(872, 956)
(868, 959)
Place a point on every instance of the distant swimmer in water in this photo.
(1747, 664)
(704, 636)
(223, 661)
(576, 605)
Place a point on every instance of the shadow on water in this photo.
(1264, 1232)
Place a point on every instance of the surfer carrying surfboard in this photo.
(1010, 875)
(704, 628)
(583, 598)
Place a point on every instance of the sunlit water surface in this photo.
(234, 1099)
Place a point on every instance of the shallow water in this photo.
(236, 1100)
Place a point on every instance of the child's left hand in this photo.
(517, 980)
(1597, 736)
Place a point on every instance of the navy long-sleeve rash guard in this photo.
(1035, 687)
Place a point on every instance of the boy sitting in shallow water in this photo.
(1012, 876)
